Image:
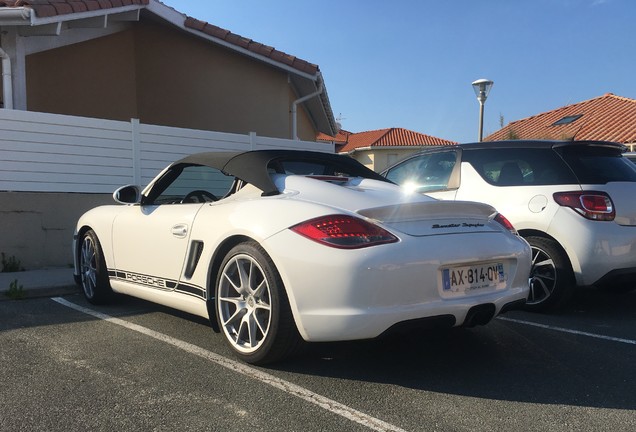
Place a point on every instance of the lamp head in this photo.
(482, 88)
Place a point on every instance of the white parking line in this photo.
(566, 330)
(286, 386)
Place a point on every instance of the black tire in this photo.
(552, 280)
(93, 272)
(252, 307)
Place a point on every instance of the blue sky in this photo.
(410, 63)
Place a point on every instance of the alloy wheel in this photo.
(88, 266)
(543, 276)
(244, 303)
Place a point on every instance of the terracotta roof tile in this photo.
(392, 137)
(78, 6)
(608, 118)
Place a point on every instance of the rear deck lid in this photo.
(435, 217)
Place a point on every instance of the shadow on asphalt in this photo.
(501, 361)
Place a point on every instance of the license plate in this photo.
(466, 279)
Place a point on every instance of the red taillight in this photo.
(591, 205)
(505, 223)
(344, 232)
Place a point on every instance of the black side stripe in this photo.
(192, 289)
(157, 283)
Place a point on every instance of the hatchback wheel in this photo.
(252, 307)
(551, 276)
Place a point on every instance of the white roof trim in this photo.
(24, 16)
(15, 16)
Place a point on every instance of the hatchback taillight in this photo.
(344, 232)
(591, 205)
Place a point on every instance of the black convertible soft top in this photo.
(256, 166)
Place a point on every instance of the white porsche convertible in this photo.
(280, 246)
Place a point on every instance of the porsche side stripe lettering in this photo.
(157, 283)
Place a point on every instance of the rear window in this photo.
(520, 166)
(598, 165)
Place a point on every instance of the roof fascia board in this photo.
(92, 22)
(178, 19)
(50, 29)
(102, 21)
(33, 45)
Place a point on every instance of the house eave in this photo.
(107, 19)
(25, 16)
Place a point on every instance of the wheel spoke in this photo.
(238, 310)
(260, 290)
(228, 277)
(244, 277)
(261, 317)
(252, 333)
(544, 263)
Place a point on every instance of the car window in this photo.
(190, 184)
(426, 172)
(519, 166)
(631, 157)
(598, 165)
(302, 168)
(309, 168)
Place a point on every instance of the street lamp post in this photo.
(482, 88)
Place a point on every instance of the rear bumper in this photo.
(625, 277)
(598, 251)
(362, 294)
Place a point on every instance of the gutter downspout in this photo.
(294, 109)
(7, 85)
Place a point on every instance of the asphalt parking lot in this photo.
(67, 365)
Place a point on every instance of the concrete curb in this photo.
(38, 283)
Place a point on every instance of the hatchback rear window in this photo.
(598, 165)
(519, 166)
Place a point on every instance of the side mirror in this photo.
(130, 194)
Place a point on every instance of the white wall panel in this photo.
(42, 152)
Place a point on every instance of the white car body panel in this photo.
(141, 231)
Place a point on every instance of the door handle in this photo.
(180, 230)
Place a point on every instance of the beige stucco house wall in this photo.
(162, 76)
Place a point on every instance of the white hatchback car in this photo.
(574, 202)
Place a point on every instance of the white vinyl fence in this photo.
(42, 152)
